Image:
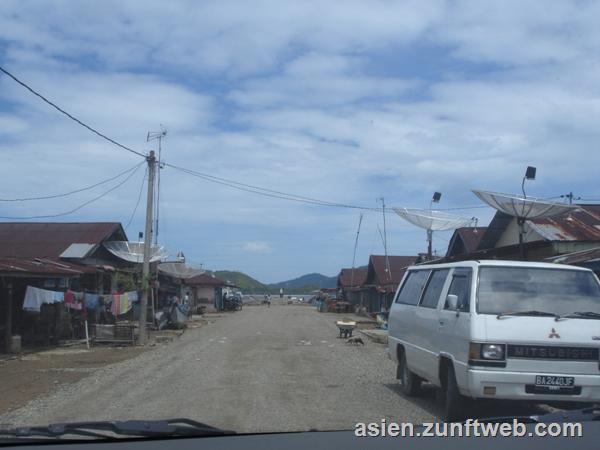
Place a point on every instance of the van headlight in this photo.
(494, 352)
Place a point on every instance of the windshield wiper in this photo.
(582, 315)
(532, 312)
(114, 429)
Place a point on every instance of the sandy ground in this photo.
(260, 369)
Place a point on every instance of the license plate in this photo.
(550, 380)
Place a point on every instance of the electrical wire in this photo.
(267, 192)
(70, 116)
(138, 199)
(66, 194)
(66, 213)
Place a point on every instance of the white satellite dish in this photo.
(523, 208)
(134, 251)
(432, 221)
(179, 270)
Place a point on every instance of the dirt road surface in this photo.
(259, 369)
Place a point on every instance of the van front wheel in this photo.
(410, 383)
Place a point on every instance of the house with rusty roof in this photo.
(54, 256)
(384, 274)
(575, 233)
(206, 290)
(350, 282)
(465, 240)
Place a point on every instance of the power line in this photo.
(70, 116)
(78, 207)
(462, 208)
(66, 194)
(138, 200)
(268, 192)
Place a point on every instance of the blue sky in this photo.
(342, 103)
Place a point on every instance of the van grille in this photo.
(553, 352)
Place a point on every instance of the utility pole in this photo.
(571, 197)
(387, 260)
(159, 135)
(354, 257)
(151, 159)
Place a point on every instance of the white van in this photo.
(498, 330)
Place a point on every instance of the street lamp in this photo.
(529, 175)
(435, 199)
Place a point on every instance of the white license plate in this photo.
(550, 380)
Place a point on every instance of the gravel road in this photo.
(260, 369)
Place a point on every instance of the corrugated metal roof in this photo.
(347, 280)
(49, 240)
(465, 239)
(583, 256)
(205, 280)
(39, 267)
(580, 225)
(398, 265)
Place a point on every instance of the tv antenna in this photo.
(157, 135)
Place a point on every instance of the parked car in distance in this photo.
(498, 330)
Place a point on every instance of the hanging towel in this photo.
(34, 298)
(91, 300)
(125, 304)
(115, 307)
(69, 297)
(133, 296)
(58, 297)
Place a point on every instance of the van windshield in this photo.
(514, 289)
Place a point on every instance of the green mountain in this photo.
(301, 285)
(246, 283)
(314, 280)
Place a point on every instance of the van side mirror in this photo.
(452, 301)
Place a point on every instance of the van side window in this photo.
(460, 286)
(413, 287)
(434, 288)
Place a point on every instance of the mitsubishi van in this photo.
(498, 330)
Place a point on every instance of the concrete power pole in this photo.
(151, 159)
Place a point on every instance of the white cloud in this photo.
(311, 98)
(256, 247)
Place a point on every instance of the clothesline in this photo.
(120, 303)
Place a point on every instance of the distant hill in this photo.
(246, 283)
(301, 285)
(314, 280)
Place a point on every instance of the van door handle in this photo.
(441, 322)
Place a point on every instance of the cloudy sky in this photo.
(341, 101)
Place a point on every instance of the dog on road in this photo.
(355, 341)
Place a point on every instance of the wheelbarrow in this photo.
(346, 328)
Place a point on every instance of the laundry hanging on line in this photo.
(71, 300)
(35, 297)
(122, 303)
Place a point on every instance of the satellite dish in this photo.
(179, 270)
(431, 221)
(522, 208)
(134, 251)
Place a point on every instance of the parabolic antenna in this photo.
(431, 221)
(523, 208)
(134, 251)
(179, 270)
